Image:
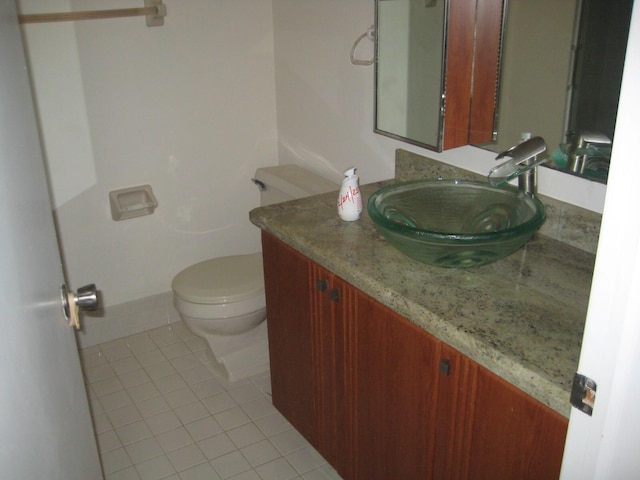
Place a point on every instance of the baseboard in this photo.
(126, 319)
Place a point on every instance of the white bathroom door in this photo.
(45, 425)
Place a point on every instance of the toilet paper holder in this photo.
(132, 202)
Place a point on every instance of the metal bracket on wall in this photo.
(155, 19)
(583, 393)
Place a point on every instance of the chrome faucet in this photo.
(578, 145)
(524, 158)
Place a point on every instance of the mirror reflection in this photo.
(561, 71)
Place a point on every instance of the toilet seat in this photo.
(221, 281)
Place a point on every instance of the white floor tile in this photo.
(115, 460)
(159, 413)
(155, 468)
(207, 388)
(144, 450)
(175, 350)
(219, 402)
(258, 408)
(325, 472)
(278, 469)
(245, 435)
(174, 439)
(150, 358)
(232, 418)
(305, 459)
(112, 401)
(125, 365)
(179, 397)
(169, 383)
(163, 422)
(124, 416)
(185, 362)
(95, 373)
(135, 377)
(204, 471)
(115, 350)
(289, 441)
(160, 369)
(106, 386)
(248, 475)
(230, 464)
(260, 453)
(143, 391)
(153, 406)
(101, 423)
(216, 446)
(108, 441)
(245, 393)
(191, 412)
(273, 424)
(186, 457)
(128, 473)
(203, 428)
(133, 432)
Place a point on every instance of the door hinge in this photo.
(583, 393)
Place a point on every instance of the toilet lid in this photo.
(221, 280)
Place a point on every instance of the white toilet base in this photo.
(236, 357)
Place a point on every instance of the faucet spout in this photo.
(522, 162)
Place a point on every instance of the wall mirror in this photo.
(557, 65)
(410, 70)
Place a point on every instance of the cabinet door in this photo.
(456, 376)
(395, 395)
(288, 293)
(333, 317)
(511, 434)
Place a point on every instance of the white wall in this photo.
(188, 108)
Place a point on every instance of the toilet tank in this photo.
(288, 182)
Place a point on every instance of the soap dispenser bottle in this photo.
(349, 199)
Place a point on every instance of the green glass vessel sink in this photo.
(455, 223)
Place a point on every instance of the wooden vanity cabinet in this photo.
(381, 399)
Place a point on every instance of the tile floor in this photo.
(159, 413)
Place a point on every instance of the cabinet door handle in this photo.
(334, 295)
(445, 366)
(321, 285)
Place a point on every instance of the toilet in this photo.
(222, 299)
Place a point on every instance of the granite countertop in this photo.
(521, 317)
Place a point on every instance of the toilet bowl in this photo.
(222, 300)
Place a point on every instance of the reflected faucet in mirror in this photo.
(587, 152)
